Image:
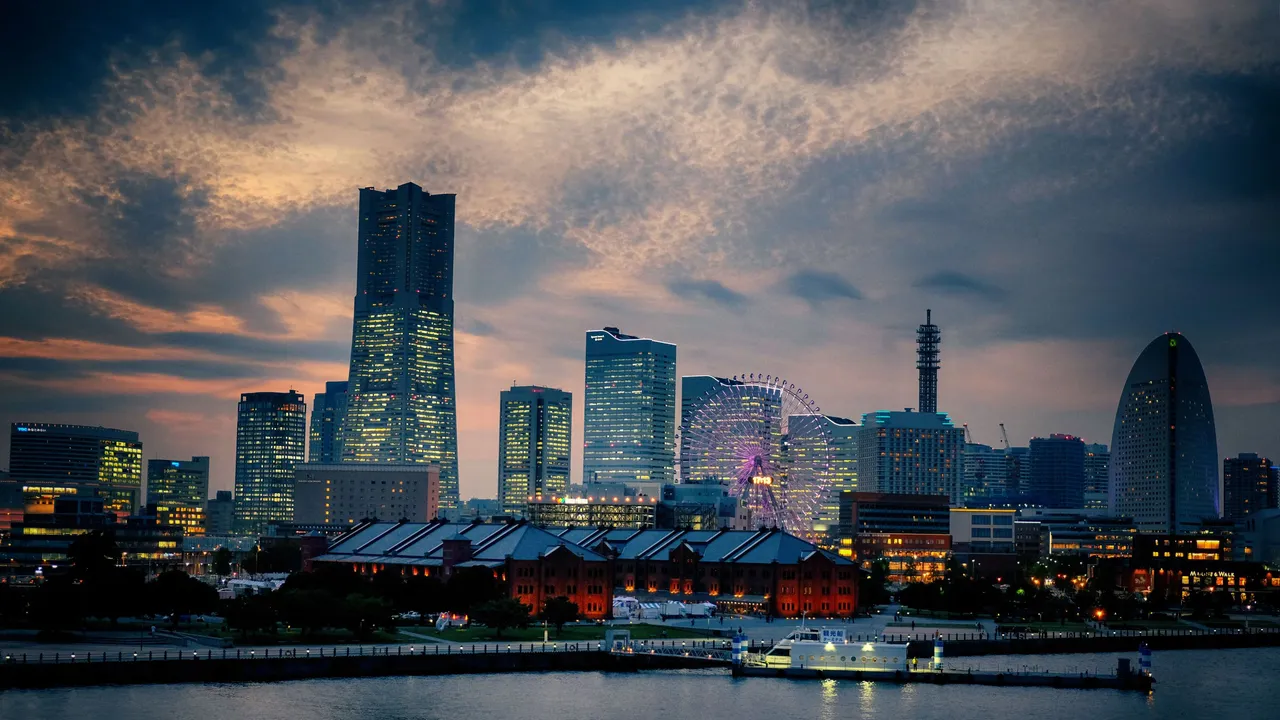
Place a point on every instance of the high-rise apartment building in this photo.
(910, 453)
(534, 429)
(177, 491)
(401, 401)
(1017, 471)
(985, 473)
(327, 410)
(818, 441)
(695, 392)
(271, 438)
(1057, 471)
(629, 423)
(1248, 485)
(1097, 464)
(1164, 446)
(51, 460)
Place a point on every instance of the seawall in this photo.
(209, 666)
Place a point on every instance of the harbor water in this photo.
(1191, 685)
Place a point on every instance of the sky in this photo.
(776, 187)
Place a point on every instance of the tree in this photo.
(558, 611)
(423, 594)
(222, 561)
(871, 585)
(93, 554)
(310, 610)
(175, 593)
(363, 614)
(502, 614)
(468, 588)
(250, 613)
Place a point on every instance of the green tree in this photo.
(310, 609)
(424, 594)
(559, 610)
(871, 585)
(502, 614)
(222, 562)
(468, 588)
(363, 614)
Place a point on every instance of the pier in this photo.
(1080, 681)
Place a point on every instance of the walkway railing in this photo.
(669, 647)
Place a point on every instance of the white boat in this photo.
(829, 649)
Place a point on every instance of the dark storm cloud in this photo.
(65, 53)
(957, 283)
(689, 289)
(818, 286)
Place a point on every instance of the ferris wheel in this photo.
(768, 442)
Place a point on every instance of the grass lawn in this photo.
(1051, 626)
(571, 633)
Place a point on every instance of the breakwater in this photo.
(223, 667)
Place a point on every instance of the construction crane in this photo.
(968, 435)
(1004, 436)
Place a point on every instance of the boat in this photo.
(826, 649)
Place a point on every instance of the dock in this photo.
(1082, 681)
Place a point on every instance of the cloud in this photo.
(817, 287)
(956, 283)
(688, 289)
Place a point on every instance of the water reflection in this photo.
(1202, 685)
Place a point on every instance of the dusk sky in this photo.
(776, 187)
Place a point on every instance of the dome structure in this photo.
(1164, 447)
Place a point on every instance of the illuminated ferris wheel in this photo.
(768, 442)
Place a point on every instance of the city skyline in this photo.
(799, 220)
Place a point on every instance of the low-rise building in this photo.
(612, 511)
(911, 532)
(347, 493)
(1090, 534)
(42, 542)
(765, 571)
(535, 565)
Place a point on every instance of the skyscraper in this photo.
(327, 410)
(927, 339)
(534, 430)
(401, 403)
(695, 392)
(1057, 471)
(985, 473)
(1097, 464)
(910, 452)
(1164, 447)
(1248, 485)
(271, 438)
(177, 491)
(50, 460)
(629, 425)
(807, 434)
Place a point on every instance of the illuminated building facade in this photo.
(534, 447)
(910, 453)
(749, 571)
(42, 542)
(177, 491)
(1057, 471)
(338, 494)
(401, 401)
(1249, 485)
(595, 512)
(1164, 447)
(837, 437)
(1097, 464)
(911, 532)
(629, 421)
(327, 410)
(271, 438)
(1170, 567)
(51, 460)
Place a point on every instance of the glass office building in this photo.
(910, 453)
(177, 491)
(327, 410)
(629, 425)
(271, 438)
(401, 401)
(1164, 446)
(534, 431)
(50, 460)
